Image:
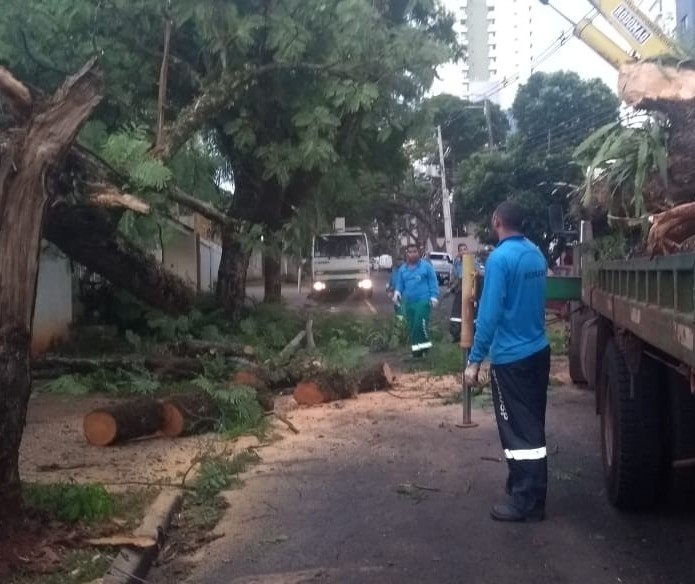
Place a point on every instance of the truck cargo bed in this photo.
(652, 298)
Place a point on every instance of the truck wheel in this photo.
(574, 352)
(630, 431)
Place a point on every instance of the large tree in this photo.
(558, 110)
(553, 113)
(281, 88)
(41, 132)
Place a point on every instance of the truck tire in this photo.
(630, 431)
(574, 352)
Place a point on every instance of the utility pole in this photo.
(488, 121)
(446, 204)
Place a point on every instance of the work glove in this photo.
(471, 374)
(396, 297)
(434, 302)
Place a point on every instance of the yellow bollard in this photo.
(468, 293)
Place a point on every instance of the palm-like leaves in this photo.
(623, 158)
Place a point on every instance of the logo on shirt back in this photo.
(534, 274)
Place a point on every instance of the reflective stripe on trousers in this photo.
(531, 454)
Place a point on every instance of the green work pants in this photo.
(417, 315)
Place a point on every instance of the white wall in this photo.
(210, 255)
(53, 312)
(181, 257)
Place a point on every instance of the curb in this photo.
(132, 565)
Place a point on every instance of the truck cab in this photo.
(341, 261)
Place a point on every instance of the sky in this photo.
(574, 55)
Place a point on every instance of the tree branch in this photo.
(161, 98)
(15, 92)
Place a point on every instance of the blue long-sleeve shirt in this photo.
(511, 317)
(417, 283)
(458, 267)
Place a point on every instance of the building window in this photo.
(685, 23)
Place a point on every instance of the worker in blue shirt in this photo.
(417, 290)
(510, 330)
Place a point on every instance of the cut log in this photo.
(250, 378)
(308, 393)
(331, 386)
(125, 421)
(189, 414)
(644, 82)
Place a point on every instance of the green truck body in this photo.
(632, 341)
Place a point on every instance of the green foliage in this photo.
(76, 567)
(117, 382)
(70, 502)
(558, 110)
(622, 158)
(613, 246)
(239, 410)
(558, 336)
(217, 473)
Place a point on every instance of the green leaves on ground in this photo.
(70, 502)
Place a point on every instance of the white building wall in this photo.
(181, 256)
(53, 310)
(210, 256)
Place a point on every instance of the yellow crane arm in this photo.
(641, 33)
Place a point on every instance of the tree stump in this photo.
(125, 421)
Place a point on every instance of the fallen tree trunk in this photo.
(197, 347)
(185, 415)
(331, 386)
(162, 366)
(86, 234)
(125, 421)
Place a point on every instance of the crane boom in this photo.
(640, 32)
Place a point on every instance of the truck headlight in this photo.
(319, 286)
(365, 284)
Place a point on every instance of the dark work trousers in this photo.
(519, 391)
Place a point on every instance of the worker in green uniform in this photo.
(417, 289)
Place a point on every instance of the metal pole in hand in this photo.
(467, 316)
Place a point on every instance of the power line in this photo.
(541, 57)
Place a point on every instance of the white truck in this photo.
(340, 261)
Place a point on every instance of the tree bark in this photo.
(28, 153)
(85, 234)
(231, 277)
(272, 276)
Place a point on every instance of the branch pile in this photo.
(639, 182)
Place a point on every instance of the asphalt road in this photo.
(325, 506)
(379, 304)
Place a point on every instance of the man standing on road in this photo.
(511, 328)
(417, 288)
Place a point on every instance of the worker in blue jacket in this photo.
(418, 290)
(510, 330)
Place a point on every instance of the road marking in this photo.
(370, 306)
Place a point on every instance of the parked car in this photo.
(442, 263)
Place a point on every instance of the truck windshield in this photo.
(340, 246)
